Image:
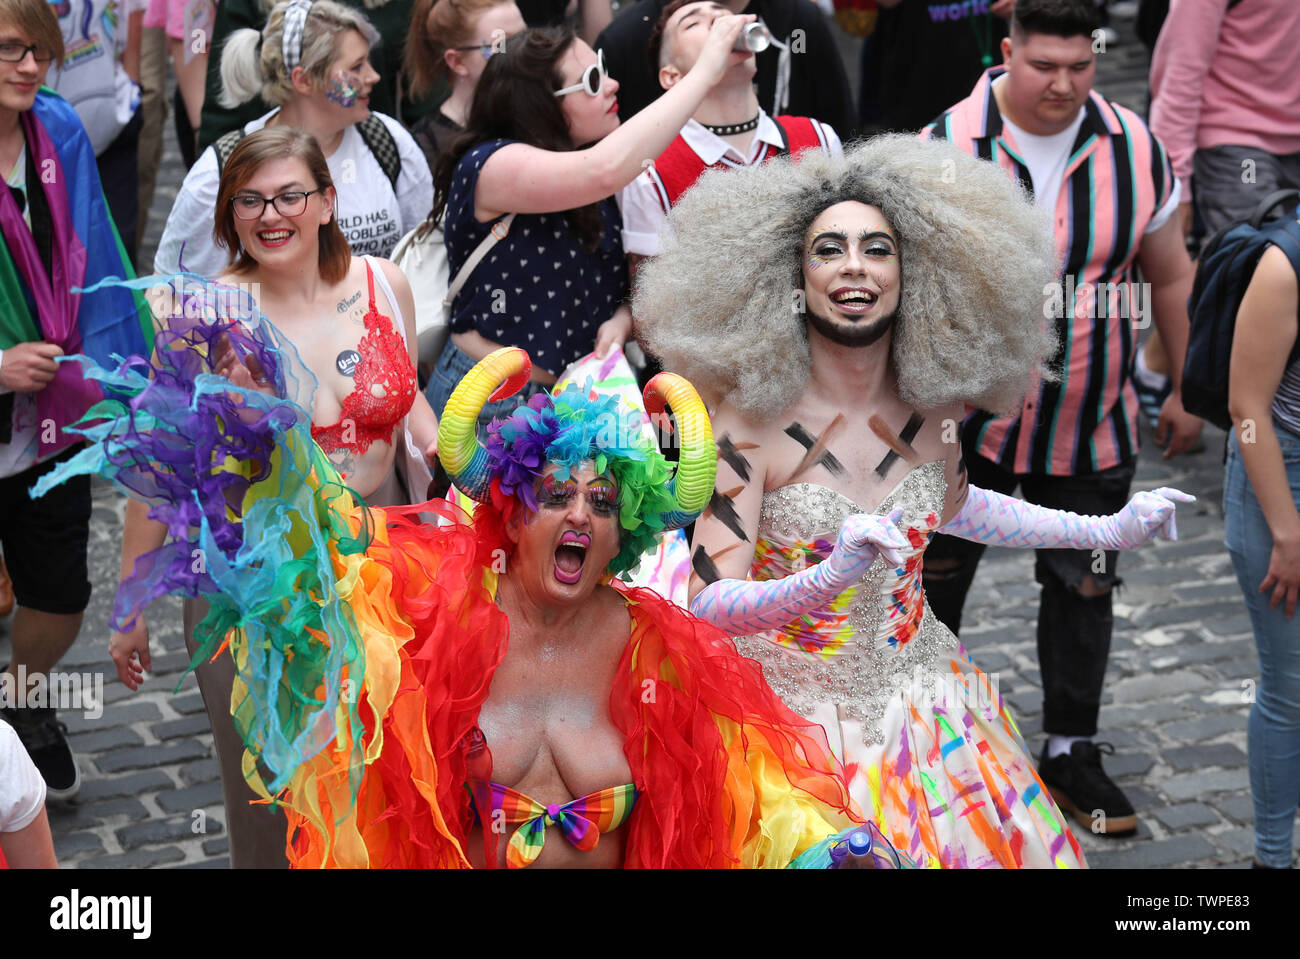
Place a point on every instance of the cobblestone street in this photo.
(1182, 671)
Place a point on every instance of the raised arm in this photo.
(523, 179)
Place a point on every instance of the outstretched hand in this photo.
(1151, 514)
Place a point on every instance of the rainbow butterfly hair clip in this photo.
(573, 426)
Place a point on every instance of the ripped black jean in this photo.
(1073, 629)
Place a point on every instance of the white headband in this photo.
(295, 18)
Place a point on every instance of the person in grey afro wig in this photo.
(722, 304)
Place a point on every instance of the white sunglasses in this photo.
(592, 78)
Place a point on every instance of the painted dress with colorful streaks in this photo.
(930, 748)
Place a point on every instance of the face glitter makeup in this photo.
(344, 88)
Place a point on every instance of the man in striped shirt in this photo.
(1109, 186)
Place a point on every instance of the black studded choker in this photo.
(733, 129)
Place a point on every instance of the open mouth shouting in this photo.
(571, 556)
(854, 300)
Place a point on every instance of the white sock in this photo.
(1147, 376)
(1060, 745)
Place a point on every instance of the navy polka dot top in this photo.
(537, 289)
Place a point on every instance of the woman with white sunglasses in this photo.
(540, 160)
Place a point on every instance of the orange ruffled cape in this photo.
(728, 776)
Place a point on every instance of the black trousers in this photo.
(1073, 630)
(119, 172)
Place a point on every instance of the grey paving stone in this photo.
(992, 661)
(143, 757)
(131, 785)
(136, 858)
(222, 863)
(201, 796)
(1127, 764)
(1227, 593)
(71, 816)
(1195, 785)
(171, 829)
(101, 740)
(1185, 654)
(193, 725)
(216, 847)
(116, 715)
(199, 772)
(1183, 758)
(1240, 841)
(1238, 806)
(1149, 576)
(1027, 703)
(1175, 851)
(191, 703)
(1234, 624)
(1204, 727)
(1177, 613)
(71, 844)
(1121, 717)
(1142, 688)
(1186, 815)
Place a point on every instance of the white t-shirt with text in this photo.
(372, 215)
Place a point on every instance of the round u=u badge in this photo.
(347, 362)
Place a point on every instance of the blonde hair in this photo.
(253, 63)
(721, 304)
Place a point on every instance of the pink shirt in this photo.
(1221, 76)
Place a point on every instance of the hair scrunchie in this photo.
(295, 19)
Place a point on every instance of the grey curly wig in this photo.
(719, 304)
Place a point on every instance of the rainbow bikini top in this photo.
(582, 821)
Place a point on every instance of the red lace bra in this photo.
(384, 363)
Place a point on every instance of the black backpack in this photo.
(378, 138)
(1227, 262)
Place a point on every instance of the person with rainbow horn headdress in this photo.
(441, 695)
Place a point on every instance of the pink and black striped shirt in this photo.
(1117, 178)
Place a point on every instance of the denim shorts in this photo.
(451, 369)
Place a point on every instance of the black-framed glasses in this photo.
(593, 78)
(17, 52)
(486, 47)
(250, 206)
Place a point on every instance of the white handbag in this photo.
(423, 258)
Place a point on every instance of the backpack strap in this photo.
(1286, 237)
(225, 145)
(498, 233)
(380, 142)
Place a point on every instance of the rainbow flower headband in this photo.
(572, 427)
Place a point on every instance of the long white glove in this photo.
(998, 520)
(740, 607)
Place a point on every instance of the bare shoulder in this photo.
(393, 272)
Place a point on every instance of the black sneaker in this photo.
(1081, 787)
(46, 742)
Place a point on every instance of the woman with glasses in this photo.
(350, 319)
(540, 160)
(452, 40)
(313, 61)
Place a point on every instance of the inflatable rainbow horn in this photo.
(697, 465)
(498, 375)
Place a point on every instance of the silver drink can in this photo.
(755, 37)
